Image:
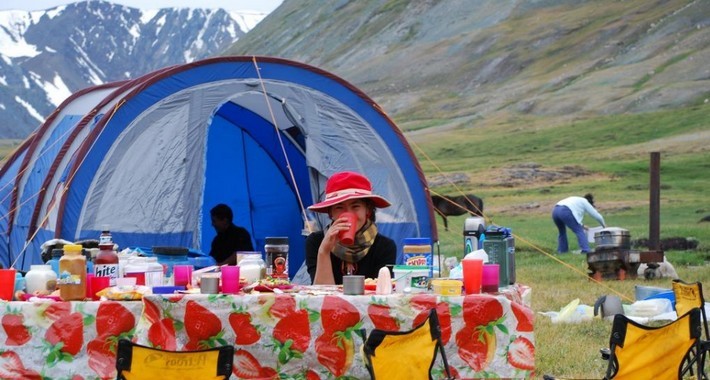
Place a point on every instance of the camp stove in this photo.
(613, 258)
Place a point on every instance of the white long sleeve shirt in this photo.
(579, 206)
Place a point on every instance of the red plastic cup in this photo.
(347, 237)
(490, 278)
(472, 274)
(230, 279)
(97, 284)
(7, 284)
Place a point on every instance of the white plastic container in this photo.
(411, 278)
(136, 267)
(37, 277)
(154, 275)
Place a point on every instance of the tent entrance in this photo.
(245, 169)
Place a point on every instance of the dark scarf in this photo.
(351, 254)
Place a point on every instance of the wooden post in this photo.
(654, 227)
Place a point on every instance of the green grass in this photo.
(614, 152)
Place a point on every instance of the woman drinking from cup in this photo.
(350, 245)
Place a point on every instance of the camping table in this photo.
(286, 334)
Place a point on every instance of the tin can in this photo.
(276, 249)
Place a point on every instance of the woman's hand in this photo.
(331, 235)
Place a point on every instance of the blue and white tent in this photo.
(151, 156)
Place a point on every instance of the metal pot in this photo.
(612, 237)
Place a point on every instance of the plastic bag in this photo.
(572, 313)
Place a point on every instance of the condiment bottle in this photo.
(384, 281)
(72, 274)
(106, 263)
(54, 261)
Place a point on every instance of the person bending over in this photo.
(327, 259)
(569, 212)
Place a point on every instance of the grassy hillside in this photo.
(522, 166)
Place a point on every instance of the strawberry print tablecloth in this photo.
(292, 336)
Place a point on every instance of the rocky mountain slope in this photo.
(47, 55)
(466, 61)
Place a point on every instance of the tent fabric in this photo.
(150, 157)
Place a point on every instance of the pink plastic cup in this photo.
(491, 275)
(7, 284)
(182, 274)
(97, 284)
(347, 237)
(230, 279)
(472, 274)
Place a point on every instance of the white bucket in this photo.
(411, 278)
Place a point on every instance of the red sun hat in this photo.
(343, 186)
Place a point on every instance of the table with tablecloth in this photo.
(291, 335)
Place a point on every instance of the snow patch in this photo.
(33, 112)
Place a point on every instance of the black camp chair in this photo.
(406, 355)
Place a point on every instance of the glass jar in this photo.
(252, 268)
(276, 249)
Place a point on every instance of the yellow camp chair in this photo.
(406, 355)
(689, 296)
(136, 362)
(644, 352)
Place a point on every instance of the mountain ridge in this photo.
(47, 55)
(477, 60)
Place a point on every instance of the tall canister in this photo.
(472, 229)
(276, 249)
(500, 247)
(417, 252)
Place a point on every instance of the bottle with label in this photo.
(72, 274)
(106, 263)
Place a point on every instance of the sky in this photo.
(265, 6)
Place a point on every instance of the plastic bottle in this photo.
(89, 261)
(106, 263)
(54, 261)
(72, 274)
(37, 278)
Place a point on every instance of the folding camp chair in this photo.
(136, 362)
(407, 355)
(689, 296)
(645, 352)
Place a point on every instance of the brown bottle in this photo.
(106, 263)
(72, 274)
